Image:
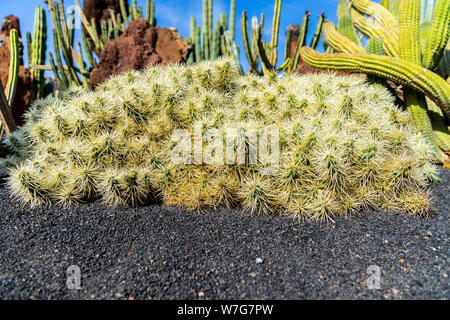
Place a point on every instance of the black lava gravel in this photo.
(164, 253)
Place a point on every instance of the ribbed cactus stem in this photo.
(64, 28)
(373, 29)
(409, 19)
(346, 28)
(417, 108)
(224, 21)
(394, 7)
(375, 46)
(275, 32)
(217, 37)
(440, 33)
(301, 40)
(29, 47)
(65, 77)
(343, 7)
(246, 39)
(288, 45)
(91, 29)
(192, 27)
(441, 130)
(104, 30)
(339, 42)
(232, 19)
(13, 75)
(210, 23)
(378, 12)
(152, 14)
(205, 36)
(133, 11)
(198, 48)
(148, 8)
(397, 70)
(88, 51)
(319, 31)
(444, 66)
(260, 47)
(123, 11)
(82, 66)
(54, 68)
(39, 48)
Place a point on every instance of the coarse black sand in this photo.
(156, 252)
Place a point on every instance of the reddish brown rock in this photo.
(10, 22)
(24, 94)
(139, 46)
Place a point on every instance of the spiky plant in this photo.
(257, 50)
(343, 145)
(407, 45)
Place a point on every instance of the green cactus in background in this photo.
(7, 97)
(208, 43)
(37, 49)
(71, 68)
(259, 50)
(415, 39)
(14, 63)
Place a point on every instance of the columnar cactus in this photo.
(343, 146)
(267, 53)
(75, 71)
(209, 43)
(37, 46)
(415, 38)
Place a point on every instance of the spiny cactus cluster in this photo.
(343, 144)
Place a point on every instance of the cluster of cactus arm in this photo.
(67, 61)
(259, 51)
(210, 44)
(411, 47)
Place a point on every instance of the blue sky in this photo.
(176, 13)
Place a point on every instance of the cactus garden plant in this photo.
(412, 54)
(266, 53)
(209, 44)
(343, 144)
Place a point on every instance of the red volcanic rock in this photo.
(10, 22)
(139, 46)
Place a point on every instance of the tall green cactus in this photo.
(14, 63)
(267, 52)
(415, 36)
(38, 48)
(210, 43)
(74, 70)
